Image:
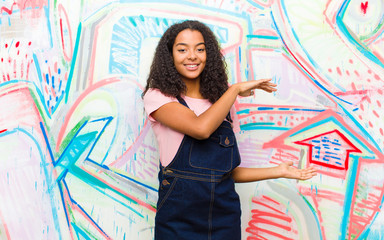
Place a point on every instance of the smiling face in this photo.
(189, 54)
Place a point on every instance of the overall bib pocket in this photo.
(201, 154)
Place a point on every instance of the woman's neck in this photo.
(193, 89)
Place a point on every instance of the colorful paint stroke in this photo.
(79, 159)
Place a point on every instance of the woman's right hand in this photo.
(247, 88)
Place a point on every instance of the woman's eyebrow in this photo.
(184, 44)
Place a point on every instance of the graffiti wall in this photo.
(78, 159)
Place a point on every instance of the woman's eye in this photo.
(181, 50)
(201, 49)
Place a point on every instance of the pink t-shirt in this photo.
(168, 139)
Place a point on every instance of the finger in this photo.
(312, 170)
(307, 175)
(267, 88)
(267, 79)
(309, 171)
(289, 163)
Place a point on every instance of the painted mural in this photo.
(78, 159)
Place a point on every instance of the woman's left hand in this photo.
(288, 171)
(247, 88)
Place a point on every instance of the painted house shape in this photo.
(330, 149)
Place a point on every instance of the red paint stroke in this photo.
(306, 67)
(376, 114)
(253, 229)
(67, 52)
(348, 147)
(338, 71)
(355, 92)
(7, 10)
(265, 32)
(324, 194)
(378, 54)
(280, 140)
(1, 131)
(28, 66)
(22, 70)
(364, 7)
(62, 34)
(361, 220)
(254, 200)
(24, 5)
(330, 12)
(268, 217)
(282, 156)
(2, 220)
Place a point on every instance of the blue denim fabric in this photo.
(197, 197)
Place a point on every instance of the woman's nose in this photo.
(191, 55)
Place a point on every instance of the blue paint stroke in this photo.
(74, 56)
(304, 70)
(39, 90)
(48, 175)
(348, 198)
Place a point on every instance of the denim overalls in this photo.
(197, 198)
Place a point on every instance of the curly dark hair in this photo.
(164, 76)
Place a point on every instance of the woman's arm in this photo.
(184, 120)
(284, 170)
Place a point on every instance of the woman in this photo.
(189, 103)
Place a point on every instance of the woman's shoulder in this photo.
(151, 92)
(154, 99)
(156, 94)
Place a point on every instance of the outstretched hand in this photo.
(247, 88)
(288, 171)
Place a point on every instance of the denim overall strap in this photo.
(197, 197)
(210, 159)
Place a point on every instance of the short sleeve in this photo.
(235, 119)
(153, 100)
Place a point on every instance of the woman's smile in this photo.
(191, 67)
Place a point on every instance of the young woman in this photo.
(189, 103)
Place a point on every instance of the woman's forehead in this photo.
(189, 36)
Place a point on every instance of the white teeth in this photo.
(192, 66)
